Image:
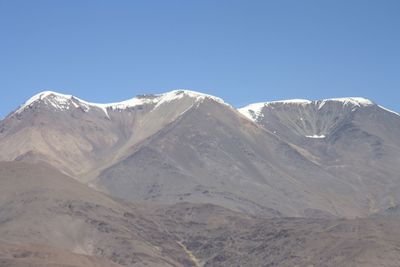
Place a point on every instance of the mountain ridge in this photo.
(171, 95)
(63, 101)
(253, 111)
(187, 180)
(294, 160)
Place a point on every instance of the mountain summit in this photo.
(254, 111)
(188, 180)
(333, 157)
(65, 102)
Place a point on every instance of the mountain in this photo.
(353, 139)
(212, 154)
(219, 237)
(335, 157)
(188, 180)
(49, 219)
(79, 137)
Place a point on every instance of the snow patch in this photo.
(356, 101)
(42, 96)
(252, 111)
(178, 94)
(60, 102)
(316, 136)
(388, 110)
(64, 102)
(290, 101)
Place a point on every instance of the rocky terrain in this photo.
(47, 217)
(220, 237)
(188, 180)
(335, 157)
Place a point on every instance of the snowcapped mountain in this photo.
(77, 136)
(64, 102)
(254, 111)
(296, 157)
(317, 119)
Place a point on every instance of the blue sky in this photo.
(243, 51)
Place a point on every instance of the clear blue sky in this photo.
(243, 51)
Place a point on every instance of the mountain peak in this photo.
(57, 100)
(356, 101)
(64, 102)
(177, 94)
(46, 94)
(254, 111)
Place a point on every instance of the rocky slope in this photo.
(49, 219)
(353, 139)
(324, 158)
(220, 237)
(79, 137)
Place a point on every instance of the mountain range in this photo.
(185, 179)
